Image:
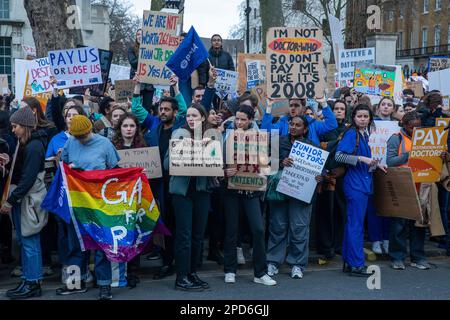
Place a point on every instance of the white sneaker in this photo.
(240, 256)
(230, 277)
(272, 270)
(386, 246)
(376, 247)
(296, 273)
(90, 277)
(265, 280)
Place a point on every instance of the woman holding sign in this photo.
(354, 151)
(249, 201)
(289, 215)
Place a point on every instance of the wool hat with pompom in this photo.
(24, 117)
(80, 125)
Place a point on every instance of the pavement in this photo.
(320, 282)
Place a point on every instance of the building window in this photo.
(448, 37)
(256, 13)
(424, 39)
(4, 9)
(437, 36)
(260, 34)
(402, 12)
(400, 41)
(438, 5)
(5, 57)
(254, 35)
(426, 6)
(391, 15)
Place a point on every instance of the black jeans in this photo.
(191, 217)
(216, 220)
(252, 210)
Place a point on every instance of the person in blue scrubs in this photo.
(354, 151)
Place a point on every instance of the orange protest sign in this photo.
(442, 122)
(425, 158)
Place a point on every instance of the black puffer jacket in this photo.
(221, 59)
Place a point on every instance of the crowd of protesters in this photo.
(86, 135)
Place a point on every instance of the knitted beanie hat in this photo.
(80, 125)
(24, 117)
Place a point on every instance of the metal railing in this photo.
(443, 49)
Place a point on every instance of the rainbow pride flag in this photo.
(112, 210)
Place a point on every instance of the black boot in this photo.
(29, 290)
(197, 281)
(187, 285)
(359, 272)
(16, 289)
(163, 272)
(105, 293)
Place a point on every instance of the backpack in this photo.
(338, 169)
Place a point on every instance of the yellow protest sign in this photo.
(425, 158)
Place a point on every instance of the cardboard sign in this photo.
(395, 194)
(295, 63)
(417, 87)
(76, 67)
(159, 42)
(438, 63)
(189, 157)
(374, 79)
(279, 107)
(378, 139)
(349, 58)
(439, 80)
(442, 122)
(242, 68)
(4, 82)
(226, 82)
(299, 181)
(425, 157)
(147, 158)
(98, 89)
(117, 72)
(39, 76)
(124, 90)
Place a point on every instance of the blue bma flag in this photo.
(189, 55)
(56, 199)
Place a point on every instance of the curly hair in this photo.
(138, 141)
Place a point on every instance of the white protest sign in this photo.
(299, 181)
(226, 82)
(378, 139)
(39, 76)
(253, 73)
(20, 70)
(29, 50)
(147, 158)
(349, 58)
(76, 67)
(189, 157)
(336, 36)
(439, 80)
(117, 72)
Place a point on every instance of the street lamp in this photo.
(247, 11)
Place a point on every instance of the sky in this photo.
(207, 16)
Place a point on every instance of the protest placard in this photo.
(4, 82)
(76, 67)
(378, 139)
(117, 72)
(189, 157)
(445, 103)
(425, 157)
(147, 158)
(439, 80)
(279, 107)
(295, 63)
(98, 89)
(395, 194)
(242, 61)
(159, 42)
(124, 90)
(39, 76)
(331, 79)
(438, 63)
(442, 122)
(299, 180)
(375, 79)
(337, 37)
(30, 51)
(350, 57)
(253, 73)
(226, 82)
(415, 86)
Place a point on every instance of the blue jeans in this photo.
(79, 258)
(30, 249)
(397, 241)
